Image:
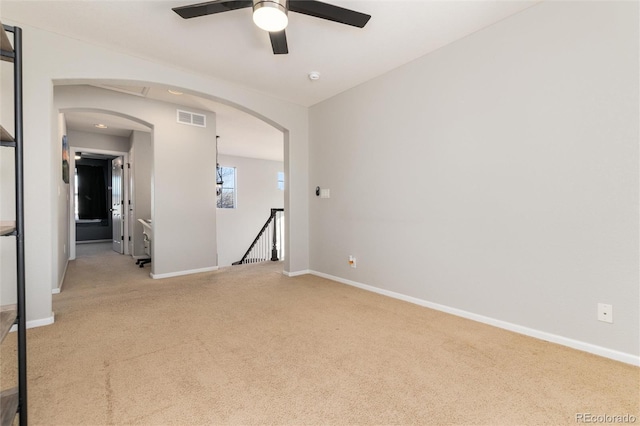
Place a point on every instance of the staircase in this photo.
(269, 243)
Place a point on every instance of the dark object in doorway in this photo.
(92, 193)
(143, 262)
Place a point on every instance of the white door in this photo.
(117, 204)
(129, 208)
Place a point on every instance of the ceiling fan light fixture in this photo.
(270, 15)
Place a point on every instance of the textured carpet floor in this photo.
(247, 345)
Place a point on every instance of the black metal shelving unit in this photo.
(14, 400)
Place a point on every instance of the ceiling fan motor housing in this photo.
(271, 15)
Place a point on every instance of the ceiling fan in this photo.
(271, 15)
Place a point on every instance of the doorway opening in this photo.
(99, 198)
(225, 112)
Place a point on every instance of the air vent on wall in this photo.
(191, 118)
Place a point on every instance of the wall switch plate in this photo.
(325, 193)
(605, 312)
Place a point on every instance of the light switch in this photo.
(325, 193)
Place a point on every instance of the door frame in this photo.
(118, 238)
(71, 196)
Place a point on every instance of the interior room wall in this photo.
(7, 213)
(98, 141)
(7, 271)
(141, 157)
(257, 193)
(62, 204)
(183, 214)
(496, 178)
(7, 189)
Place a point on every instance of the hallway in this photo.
(94, 249)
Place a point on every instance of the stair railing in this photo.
(269, 243)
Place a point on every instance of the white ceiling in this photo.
(116, 126)
(231, 47)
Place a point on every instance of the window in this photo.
(227, 197)
(281, 181)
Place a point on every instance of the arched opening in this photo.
(202, 101)
(103, 191)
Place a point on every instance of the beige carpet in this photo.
(247, 345)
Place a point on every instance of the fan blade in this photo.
(329, 12)
(279, 43)
(211, 7)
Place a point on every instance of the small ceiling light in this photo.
(78, 156)
(101, 126)
(270, 15)
(174, 92)
(314, 75)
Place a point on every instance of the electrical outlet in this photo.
(352, 261)
(605, 312)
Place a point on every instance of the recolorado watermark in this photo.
(605, 418)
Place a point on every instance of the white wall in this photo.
(50, 58)
(8, 271)
(257, 194)
(7, 189)
(98, 141)
(184, 230)
(497, 176)
(7, 213)
(62, 202)
(141, 158)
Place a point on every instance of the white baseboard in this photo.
(37, 323)
(180, 273)
(64, 274)
(296, 273)
(538, 334)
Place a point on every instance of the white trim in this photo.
(37, 323)
(64, 274)
(180, 273)
(538, 334)
(297, 273)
